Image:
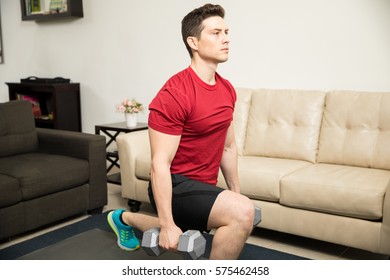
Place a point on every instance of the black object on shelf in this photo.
(36, 80)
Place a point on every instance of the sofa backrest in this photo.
(356, 129)
(17, 128)
(279, 123)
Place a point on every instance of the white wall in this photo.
(129, 48)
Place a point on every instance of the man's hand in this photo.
(169, 237)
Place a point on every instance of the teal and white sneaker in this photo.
(124, 233)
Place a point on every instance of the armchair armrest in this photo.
(85, 146)
(130, 146)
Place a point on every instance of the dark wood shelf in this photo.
(74, 11)
(61, 101)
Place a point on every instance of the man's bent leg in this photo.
(232, 217)
(140, 221)
(123, 224)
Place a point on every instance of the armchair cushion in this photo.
(17, 128)
(9, 191)
(43, 174)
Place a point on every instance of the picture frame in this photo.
(1, 43)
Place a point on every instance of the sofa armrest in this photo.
(385, 231)
(85, 146)
(131, 145)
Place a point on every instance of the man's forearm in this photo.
(162, 193)
(229, 167)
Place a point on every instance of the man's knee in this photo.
(247, 214)
(241, 210)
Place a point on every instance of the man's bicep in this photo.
(230, 140)
(163, 146)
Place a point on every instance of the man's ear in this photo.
(192, 42)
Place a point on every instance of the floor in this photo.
(308, 248)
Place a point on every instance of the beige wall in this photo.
(128, 48)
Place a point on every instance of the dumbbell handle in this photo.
(191, 244)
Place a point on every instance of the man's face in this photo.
(213, 44)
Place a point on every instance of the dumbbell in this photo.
(257, 218)
(192, 244)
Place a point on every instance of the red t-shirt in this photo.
(201, 114)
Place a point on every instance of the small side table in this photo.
(112, 130)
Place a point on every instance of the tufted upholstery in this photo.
(284, 124)
(356, 129)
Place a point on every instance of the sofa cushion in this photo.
(260, 176)
(284, 124)
(356, 129)
(42, 174)
(342, 190)
(142, 166)
(17, 128)
(9, 191)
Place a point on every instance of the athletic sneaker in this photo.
(124, 233)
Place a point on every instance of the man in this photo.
(191, 136)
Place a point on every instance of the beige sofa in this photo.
(317, 163)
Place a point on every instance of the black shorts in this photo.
(191, 202)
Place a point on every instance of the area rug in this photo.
(92, 239)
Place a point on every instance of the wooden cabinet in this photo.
(54, 106)
(43, 10)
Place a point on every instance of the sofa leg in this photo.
(134, 205)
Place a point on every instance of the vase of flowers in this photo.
(130, 108)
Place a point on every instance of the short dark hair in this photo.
(191, 25)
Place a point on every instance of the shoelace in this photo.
(124, 235)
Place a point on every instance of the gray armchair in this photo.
(46, 175)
